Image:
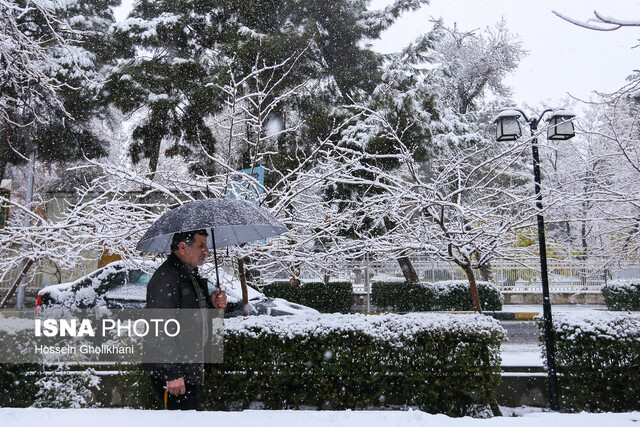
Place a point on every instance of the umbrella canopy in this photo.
(231, 221)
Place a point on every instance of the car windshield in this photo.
(133, 288)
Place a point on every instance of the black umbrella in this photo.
(229, 222)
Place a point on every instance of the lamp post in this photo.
(560, 128)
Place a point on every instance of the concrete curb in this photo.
(501, 315)
(498, 315)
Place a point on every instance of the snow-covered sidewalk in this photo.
(13, 417)
(521, 355)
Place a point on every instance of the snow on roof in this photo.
(507, 113)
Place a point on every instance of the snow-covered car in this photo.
(119, 285)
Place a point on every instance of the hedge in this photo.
(451, 295)
(18, 384)
(440, 363)
(336, 297)
(598, 361)
(25, 385)
(622, 295)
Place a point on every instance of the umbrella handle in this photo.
(215, 254)
(221, 315)
(215, 258)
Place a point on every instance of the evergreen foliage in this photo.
(134, 388)
(597, 359)
(439, 363)
(63, 388)
(620, 295)
(451, 295)
(340, 364)
(57, 105)
(192, 49)
(18, 384)
(334, 297)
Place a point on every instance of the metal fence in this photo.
(565, 276)
(509, 276)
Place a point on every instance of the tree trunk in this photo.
(486, 272)
(243, 286)
(13, 288)
(5, 136)
(294, 271)
(410, 274)
(583, 241)
(251, 274)
(474, 289)
(153, 161)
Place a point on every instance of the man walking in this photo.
(177, 284)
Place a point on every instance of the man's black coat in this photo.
(172, 286)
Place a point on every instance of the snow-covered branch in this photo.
(600, 22)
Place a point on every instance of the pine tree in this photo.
(53, 90)
(180, 52)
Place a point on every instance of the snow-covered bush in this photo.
(402, 296)
(17, 384)
(441, 363)
(622, 294)
(134, 388)
(335, 297)
(450, 295)
(598, 360)
(67, 389)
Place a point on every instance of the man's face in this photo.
(194, 255)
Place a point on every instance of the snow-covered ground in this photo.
(12, 417)
(521, 355)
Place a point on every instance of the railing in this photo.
(509, 276)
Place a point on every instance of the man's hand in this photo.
(219, 298)
(176, 387)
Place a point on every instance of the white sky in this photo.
(563, 58)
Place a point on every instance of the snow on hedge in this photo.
(447, 286)
(387, 327)
(12, 325)
(616, 325)
(631, 284)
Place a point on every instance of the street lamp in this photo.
(560, 128)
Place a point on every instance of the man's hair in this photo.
(189, 237)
